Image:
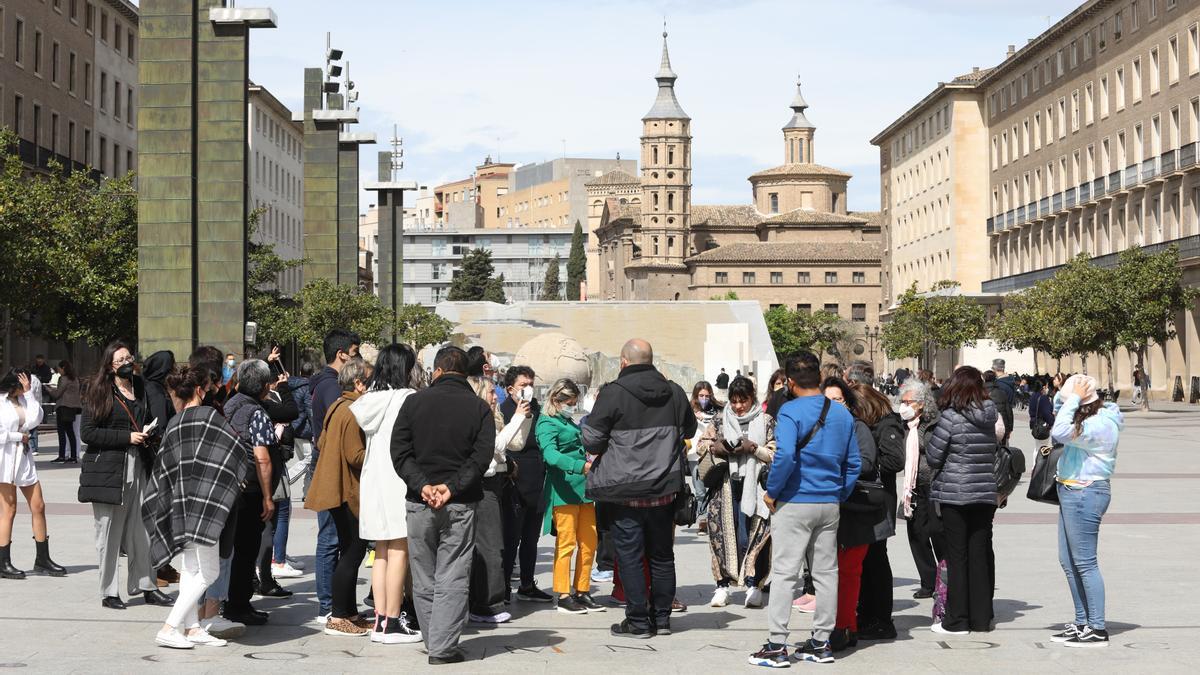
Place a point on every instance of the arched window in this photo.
(670, 201)
(654, 155)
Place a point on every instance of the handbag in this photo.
(684, 507)
(869, 496)
(712, 470)
(1040, 429)
(1043, 480)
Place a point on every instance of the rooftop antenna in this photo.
(397, 153)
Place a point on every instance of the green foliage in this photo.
(69, 246)
(576, 263)
(324, 305)
(276, 316)
(731, 295)
(550, 285)
(793, 330)
(941, 319)
(418, 327)
(494, 291)
(475, 281)
(1149, 296)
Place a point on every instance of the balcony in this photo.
(1131, 175)
(1056, 202)
(1149, 170)
(1020, 218)
(991, 225)
(1189, 247)
(1044, 207)
(1187, 155)
(1069, 202)
(1085, 193)
(1114, 181)
(1098, 189)
(1167, 162)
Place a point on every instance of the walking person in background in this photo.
(918, 409)
(568, 508)
(815, 467)
(20, 415)
(443, 441)
(41, 369)
(706, 407)
(524, 510)
(962, 454)
(381, 514)
(193, 486)
(1000, 396)
(68, 404)
(1041, 406)
(1089, 430)
(335, 488)
(113, 475)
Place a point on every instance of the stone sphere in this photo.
(553, 356)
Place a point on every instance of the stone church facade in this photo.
(794, 245)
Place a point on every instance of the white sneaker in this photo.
(173, 639)
(220, 627)
(203, 638)
(322, 619)
(938, 628)
(296, 563)
(285, 571)
(720, 597)
(754, 598)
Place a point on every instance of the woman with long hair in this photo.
(737, 446)
(705, 406)
(381, 492)
(488, 581)
(918, 409)
(962, 455)
(20, 415)
(114, 472)
(67, 406)
(567, 507)
(194, 485)
(1089, 430)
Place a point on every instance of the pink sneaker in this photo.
(805, 603)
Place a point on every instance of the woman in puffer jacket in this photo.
(962, 453)
(1089, 430)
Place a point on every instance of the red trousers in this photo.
(850, 564)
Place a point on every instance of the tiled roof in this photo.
(614, 177)
(737, 215)
(873, 218)
(800, 170)
(973, 76)
(642, 263)
(787, 252)
(811, 217)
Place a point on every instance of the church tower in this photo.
(798, 133)
(666, 173)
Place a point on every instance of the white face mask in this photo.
(527, 393)
(906, 412)
(569, 409)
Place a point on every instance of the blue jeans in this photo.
(1079, 512)
(327, 557)
(283, 513)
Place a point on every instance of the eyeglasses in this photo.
(121, 362)
(908, 401)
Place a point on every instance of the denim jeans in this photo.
(1079, 512)
(283, 513)
(327, 557)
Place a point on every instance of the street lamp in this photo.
(871, 334)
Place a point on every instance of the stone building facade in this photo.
(276, 152)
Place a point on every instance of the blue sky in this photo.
(518, 79)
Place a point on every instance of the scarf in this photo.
(912, 451)
(747, 466)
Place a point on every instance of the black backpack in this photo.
(1008, 468)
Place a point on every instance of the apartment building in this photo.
(276, 153)
(1093, 129)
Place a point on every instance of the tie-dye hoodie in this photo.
(1091, 456)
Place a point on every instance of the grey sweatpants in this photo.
(797, 529)
(119, 528)
(440, 546)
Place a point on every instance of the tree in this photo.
(1149, 295)
(69, 246)
(494, 290)
(793, 330)
(418, 327)
(550, 289)
(277, 317)
(576, 264)
(475, 281)
(324, 305)
(941, 318)
(1080, 313)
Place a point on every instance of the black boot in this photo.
(7, 571)
(43, 564)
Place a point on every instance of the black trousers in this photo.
(927, 548)
(645, 533)
(266, 549)
(875, 590)
(969, 566)
(522, 524)
(351, 551)
(245, 551)
(605, 555)
(64, 420)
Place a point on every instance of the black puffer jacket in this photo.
(962, 454)
(858, 526)
(102, 469)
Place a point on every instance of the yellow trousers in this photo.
(576, 528)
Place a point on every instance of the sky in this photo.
(526, 80)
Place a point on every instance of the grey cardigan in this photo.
(962, 454)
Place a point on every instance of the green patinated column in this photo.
(347, 233)
(320, 182)
(192, 173)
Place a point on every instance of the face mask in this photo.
(703, 401)
(906, 412)
(229, 363)
(569, 409)
(125, 371)
(527, 393)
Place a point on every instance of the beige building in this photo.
(1093, 131)
(795, 245)
(276, 153)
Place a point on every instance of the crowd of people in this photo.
(448, 477)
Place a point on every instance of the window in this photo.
(1120, 89)
(87, 147)
(777, 277)
(774, 200)
(1195, 125)
(654, 155)
(89, 18)
(1135, 19)
(1136, 82)
(805, 308)
(1193, 49)
(71, 141)
(858, 312)
(1058, 64)
(1153, 9)
(721, 278)
(54, 63)
(1089, 107)
(1173, 129)
(116, 36)
(1154, 72)
(103, 153)
(54, 133)
(803, 278)
(859, 277)
(1074, 53)
(748, 278)
(1087, 45)
(116, 100)
(831, 277)
(129, 45)
(831, 307)
(1062, 117)
(129, 105)
(1103, 96)
(87, 82)
(670, 155)
(1075, 110)
(1173, 59)
(71, 73)
(103, 26)
(116, 159)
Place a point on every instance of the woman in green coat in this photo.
(572, 513)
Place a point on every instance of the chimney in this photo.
(1012, 49)
(974, 69)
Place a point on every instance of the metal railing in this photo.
(1167, 162)
(1189, 247)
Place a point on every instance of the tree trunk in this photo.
(1083, 358)
(1109, 358)
(1141, 355)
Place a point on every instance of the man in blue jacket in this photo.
(807, 482)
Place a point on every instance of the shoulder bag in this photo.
(684, 506)
(1043, 480)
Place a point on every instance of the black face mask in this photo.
(125, 372)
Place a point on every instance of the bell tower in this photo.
(798, 133)
(666, 172)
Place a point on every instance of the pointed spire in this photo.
(666, 106)
(798, 121)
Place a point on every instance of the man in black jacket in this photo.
(523, 508)
(637, 428)
(442, 443)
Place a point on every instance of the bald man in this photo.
(636, 431)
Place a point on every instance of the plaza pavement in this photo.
(1149, 551)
